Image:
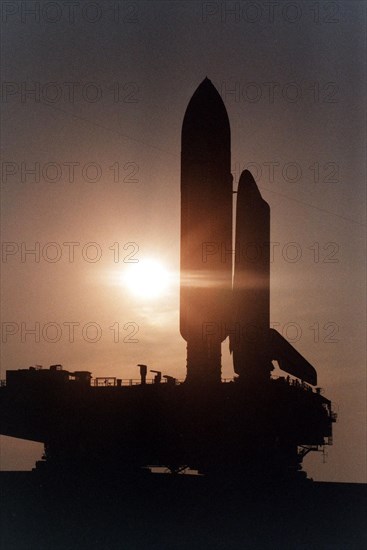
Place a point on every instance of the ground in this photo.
(178, 512)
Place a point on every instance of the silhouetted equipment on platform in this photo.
(223, 429)
(158, 376)
(170, 380)
(257, 426)
(143, 373)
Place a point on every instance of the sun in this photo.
(147, 279)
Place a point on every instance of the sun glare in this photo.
(147, 279)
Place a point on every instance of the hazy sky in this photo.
(93, 98)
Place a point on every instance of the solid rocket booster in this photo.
(206, 232)
(249, 336)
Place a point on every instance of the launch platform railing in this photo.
(109, 381)
(103, 382)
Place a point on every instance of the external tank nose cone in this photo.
(205, 92)
(205, 128)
